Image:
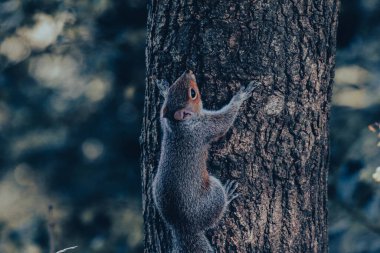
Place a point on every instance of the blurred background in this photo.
(71, 101)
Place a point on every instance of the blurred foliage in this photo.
(71, 97)
(354, 180)
(71, 93)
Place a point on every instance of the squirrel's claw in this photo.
(251, 87)
(163, 86)
(230, 187)
(233, 197)
(245, 92)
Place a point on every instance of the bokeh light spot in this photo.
(96, 90)
(44, 32)
(376, 175)
(15, 49)
(129, 92)
(92, 149)
(53, 70)
(351, 75)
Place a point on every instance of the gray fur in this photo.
(186, 205)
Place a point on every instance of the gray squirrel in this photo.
(187, 198)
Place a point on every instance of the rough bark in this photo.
(278, 147)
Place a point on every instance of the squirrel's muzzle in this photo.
(183, 114)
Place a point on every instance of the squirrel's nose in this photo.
(183, 114)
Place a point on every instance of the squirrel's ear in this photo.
(163, 86)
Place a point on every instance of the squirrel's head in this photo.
(183, 100)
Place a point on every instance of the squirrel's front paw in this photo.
(245, 92)
(230, 187)
(163, 86)
(251, 87)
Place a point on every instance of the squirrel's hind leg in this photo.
(183, 242)
(210, 206)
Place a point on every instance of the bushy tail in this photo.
(190, 243)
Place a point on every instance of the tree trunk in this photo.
(278, 147)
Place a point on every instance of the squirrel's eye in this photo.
(193, 94)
